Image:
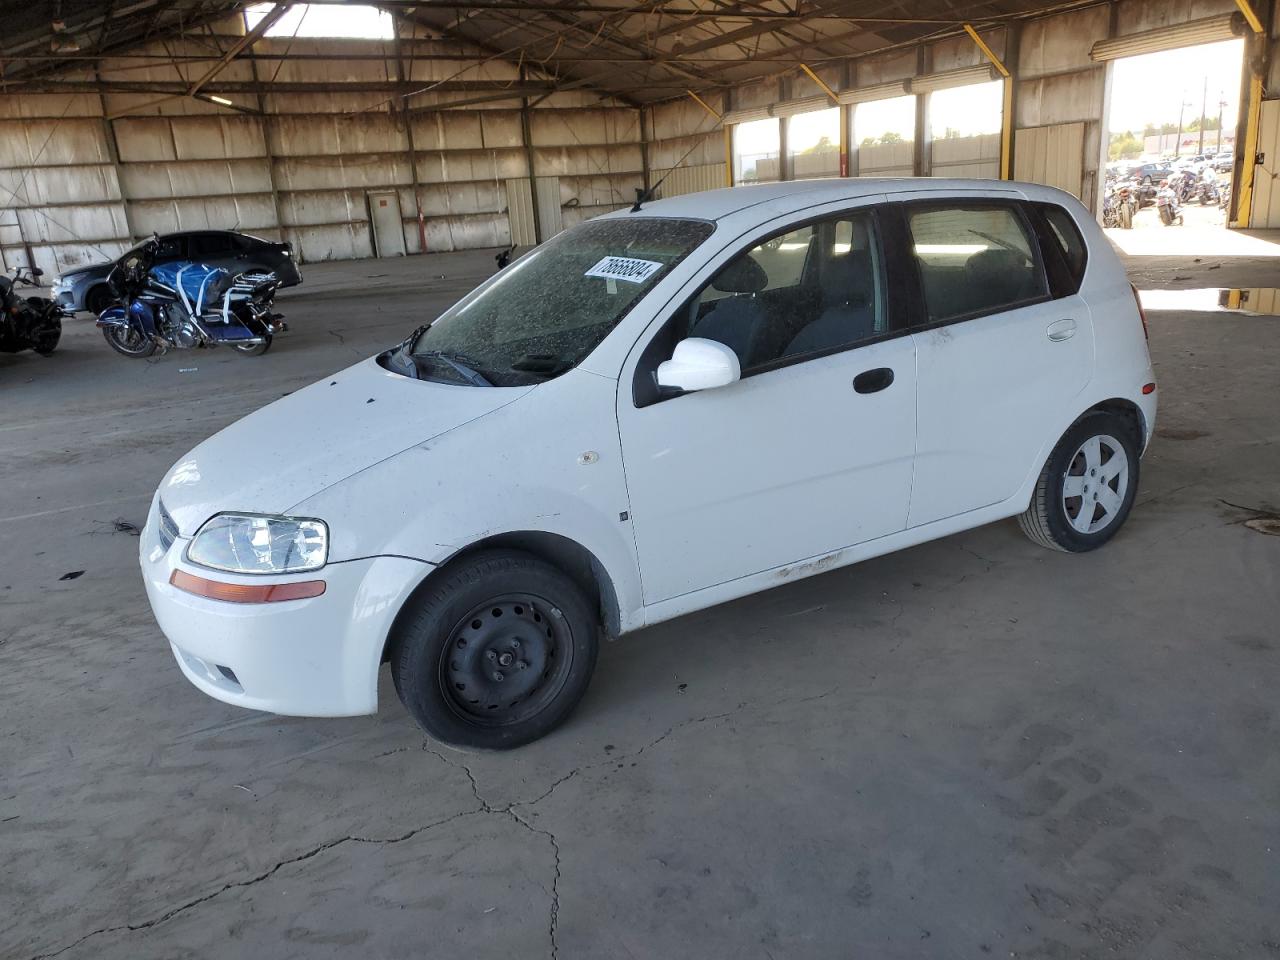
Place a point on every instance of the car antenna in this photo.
(645, 195)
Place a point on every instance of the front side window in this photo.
(544, 313)
(974, 259)
(813, 289)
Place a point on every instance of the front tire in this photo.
(129, 341)
(496, 652)
(1086, 489)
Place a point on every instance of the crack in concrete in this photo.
(507, 811)
(314, 851)
(974, 553)
(484, 807)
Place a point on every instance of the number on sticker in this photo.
(624, 268)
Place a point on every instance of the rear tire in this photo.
(1086, 489)
(253, 349)
(128, 341)
(496, 652)
(48, 341)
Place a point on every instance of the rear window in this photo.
(974, 259)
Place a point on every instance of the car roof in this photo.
(800, 194)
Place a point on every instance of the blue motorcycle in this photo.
(185, 304)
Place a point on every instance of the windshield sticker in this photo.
(624, 268)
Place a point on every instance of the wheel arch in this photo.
(97, 286)
(567, 555)
(1127, 410)
(1119, 406)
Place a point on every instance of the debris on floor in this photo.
(74, 574)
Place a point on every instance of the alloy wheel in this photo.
(1094, 488)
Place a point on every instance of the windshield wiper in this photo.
(459, 363)
(545, 363)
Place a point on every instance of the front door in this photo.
(810, 451)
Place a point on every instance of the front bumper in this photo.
(317, 657)
(65, 297)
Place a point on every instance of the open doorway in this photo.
(1170, 147)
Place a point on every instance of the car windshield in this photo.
(543, 314)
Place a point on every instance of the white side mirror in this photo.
(699, 364)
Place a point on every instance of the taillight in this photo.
(1142, 314)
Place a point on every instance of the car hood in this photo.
(294, 448)
(74, 272)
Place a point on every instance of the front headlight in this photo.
(252, 543)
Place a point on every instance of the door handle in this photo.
(1062, 329)
(873, 381)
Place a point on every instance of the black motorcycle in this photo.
(27, 323)
(187, 304)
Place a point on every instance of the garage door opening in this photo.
(1172, 122)
(964, 130)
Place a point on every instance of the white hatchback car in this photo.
(657, 411)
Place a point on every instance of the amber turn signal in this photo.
(245, 592)
(1148, 388)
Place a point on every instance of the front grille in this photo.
(168, 528)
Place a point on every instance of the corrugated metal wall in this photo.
(302, 170)
(967, 156)
(1266, 195)
(76, 187)
(682, 180)
(1052, 155)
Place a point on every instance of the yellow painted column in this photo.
(1244, 206)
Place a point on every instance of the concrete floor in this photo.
(972, 747)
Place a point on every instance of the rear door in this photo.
(1003, 349)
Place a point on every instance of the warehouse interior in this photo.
(967, 748)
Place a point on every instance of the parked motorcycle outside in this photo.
(1168, 206)
(1116, 207)
(1207, 191)
(188, 305)
(1184, 185)
(28, 323)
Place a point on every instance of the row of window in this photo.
(822, 286)
(813, 139)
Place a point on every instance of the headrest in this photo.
(995, 265)
(848, 279)
(743, 275)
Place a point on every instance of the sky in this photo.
(1149, 88)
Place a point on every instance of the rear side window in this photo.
(1063, 238)
(974, 259)
(210, 245)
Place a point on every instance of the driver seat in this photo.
(738, 320)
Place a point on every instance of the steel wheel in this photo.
(506, 660)
(1093, 491)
